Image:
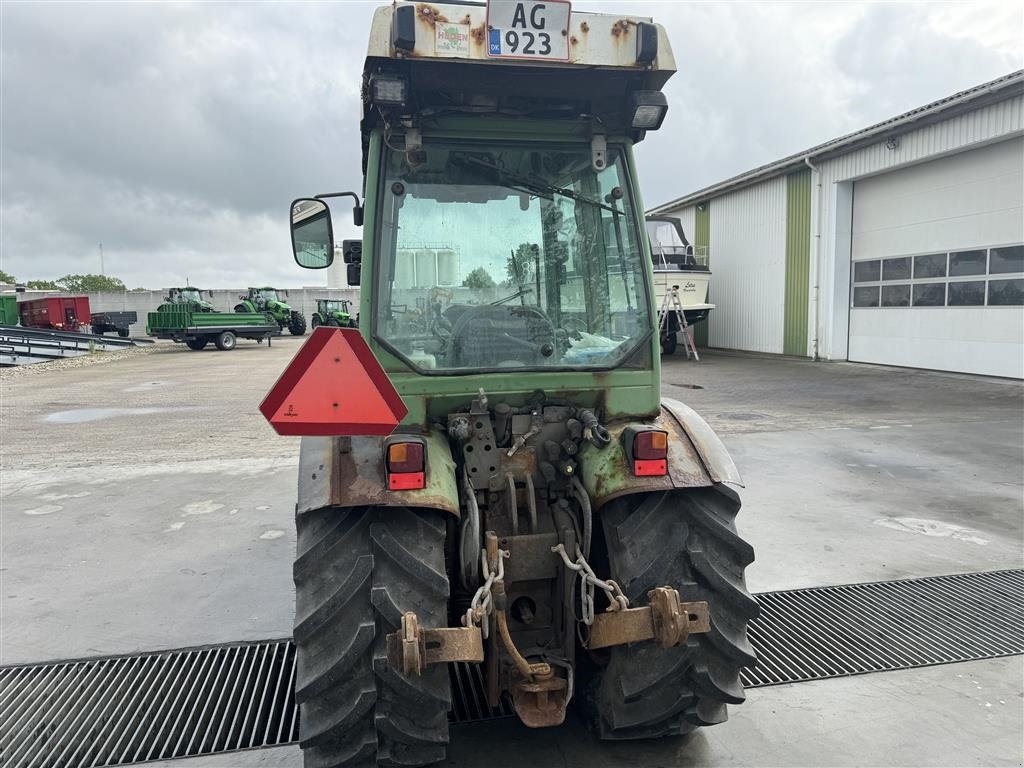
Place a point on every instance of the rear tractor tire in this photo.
(297, 324)
(357, 570)
(196, 344)
(225, 341)
(687, 540)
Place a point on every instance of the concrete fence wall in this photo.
(224, 300)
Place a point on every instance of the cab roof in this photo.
(435, 31)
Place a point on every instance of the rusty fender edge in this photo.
(713, 453)
(349, 472)
(696, 458)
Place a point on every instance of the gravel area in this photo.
(96, 358)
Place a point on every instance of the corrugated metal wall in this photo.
(798, 262)
(748, 259)
(971, 129)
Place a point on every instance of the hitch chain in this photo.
(666, 619)
(482, 606)
(588, 580)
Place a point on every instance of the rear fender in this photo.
(349, 472)
(696, 458)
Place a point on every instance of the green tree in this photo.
(6, 278)
(521, 265)
(43, 285)
(479, 280)
(89, 283)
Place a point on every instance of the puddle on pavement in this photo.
(737, 416)
(82, 415)
(150, 385)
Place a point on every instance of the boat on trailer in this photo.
(678, 263)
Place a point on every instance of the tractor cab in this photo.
(540, 513)
(333, 312)
(189, 298)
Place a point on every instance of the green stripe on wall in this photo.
(798, 262)
(702, 239)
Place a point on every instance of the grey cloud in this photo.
(177, 134)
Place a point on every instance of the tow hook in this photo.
(665, 620)
(411, 649)
(541, 701)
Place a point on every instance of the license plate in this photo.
(528, 29)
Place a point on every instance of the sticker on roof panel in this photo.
(451, 40)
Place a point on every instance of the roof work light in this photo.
(389, 90)
(648, 109)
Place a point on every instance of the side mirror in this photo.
(354, 273)
(352, 251)
(357, 215)
(312, 233)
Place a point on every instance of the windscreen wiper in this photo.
(532, 184)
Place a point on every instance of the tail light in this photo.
(647, 451)
(406, 465)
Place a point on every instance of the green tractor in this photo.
(333, 312)
(186, 299)
(266, 300)
(541, 511)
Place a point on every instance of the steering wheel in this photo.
(492, 336)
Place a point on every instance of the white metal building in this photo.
(900, 244)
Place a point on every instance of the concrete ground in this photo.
(146, 504)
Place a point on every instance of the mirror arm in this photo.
(357, 208)
(353, 195)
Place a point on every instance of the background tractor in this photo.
(185, 299)
(267, 300)
(541, 510)
(333, 312)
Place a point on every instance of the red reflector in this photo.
(650, 444)
(650, 467)
(406, 481)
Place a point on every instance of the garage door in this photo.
(938, 264)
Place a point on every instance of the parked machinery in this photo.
(541, 510)
(61, 313)
(333, 312)
(187, 298)
(267, 300)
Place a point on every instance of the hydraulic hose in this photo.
(587, 513)
(469, 546)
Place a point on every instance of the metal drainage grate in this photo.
(130, 709)
(127, 709)
(809, 634)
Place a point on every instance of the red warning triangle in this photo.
(334, 386)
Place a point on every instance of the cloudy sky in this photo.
(176, 134)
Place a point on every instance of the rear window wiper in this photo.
(534, 185)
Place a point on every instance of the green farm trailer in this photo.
(196, 329)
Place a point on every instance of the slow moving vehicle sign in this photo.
(334, 386)
(528, 29)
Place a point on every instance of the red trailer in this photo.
(62, 313)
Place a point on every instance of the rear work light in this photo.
(647, 451)
(405, 464)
